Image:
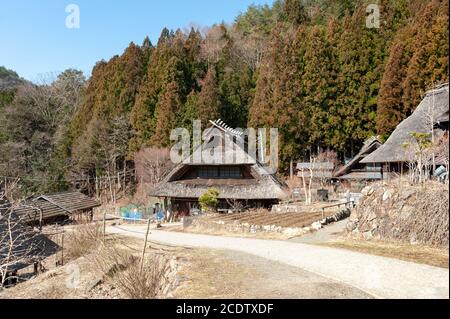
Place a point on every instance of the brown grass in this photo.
(414, 253)
(122, 268)
(115, 267)
(82, 240)
(204, 281)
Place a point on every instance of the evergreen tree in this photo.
(208, 105)
(294, 12)
(310, 68)
(167, 109)
(418, 60)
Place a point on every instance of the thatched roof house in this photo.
(234, 173)
(355, 170)
(436, 102)
(45, 207)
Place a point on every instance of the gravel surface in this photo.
(378, 276)
(275, 280)
(324, 235)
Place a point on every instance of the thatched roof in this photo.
(394, 148)
(28, 246)
(54, 205)
(369, 146)
(263, 185)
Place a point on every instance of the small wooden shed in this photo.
(73, 205)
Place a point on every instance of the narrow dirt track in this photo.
(381, 277)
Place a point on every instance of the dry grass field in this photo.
(432, 256)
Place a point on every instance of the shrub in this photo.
(208, 201)
(123, 270)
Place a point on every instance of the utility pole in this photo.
(292, 169)
(145, 244)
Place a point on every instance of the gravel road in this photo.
(378, 276)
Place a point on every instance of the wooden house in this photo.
(237, 175)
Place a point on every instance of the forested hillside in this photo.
(308, 67)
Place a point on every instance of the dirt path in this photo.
(250, 277)
(245, 276)
(327, 234)
(378, 276)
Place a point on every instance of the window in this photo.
(224, 172)
(230, 172)
(208, 172)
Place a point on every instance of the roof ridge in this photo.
(53, 202)
(438, 89)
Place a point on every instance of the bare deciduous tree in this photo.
(307, 184)
(152, 165)
(214, 42)
(420, 152)
(237, 205)
(324, 158)
(19, 243)
(248, 49)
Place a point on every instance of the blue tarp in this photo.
(135, 212)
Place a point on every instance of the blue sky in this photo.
(34, 39)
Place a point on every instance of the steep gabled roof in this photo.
(394, 148)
